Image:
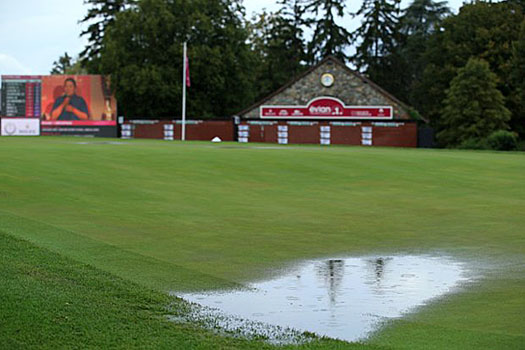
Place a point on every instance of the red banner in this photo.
(21, 77)
(327, 108)
(77, 122)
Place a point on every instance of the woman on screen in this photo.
(70, 106)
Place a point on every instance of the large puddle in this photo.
(340, 298)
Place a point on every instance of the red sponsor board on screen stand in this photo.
(21, 77)
(78, 122)
(327, 108)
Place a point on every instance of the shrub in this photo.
(502, 140)
(473, 143)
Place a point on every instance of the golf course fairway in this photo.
(95, 233)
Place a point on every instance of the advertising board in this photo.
(20, 127)
(326, 108)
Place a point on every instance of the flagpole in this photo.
(184, 60)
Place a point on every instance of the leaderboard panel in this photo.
(21, 105)
(21, 96)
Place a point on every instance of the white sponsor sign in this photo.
(20, 127)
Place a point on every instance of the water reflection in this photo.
(379, 268)
(331, 273)
(341, 298)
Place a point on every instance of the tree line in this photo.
(463, 73)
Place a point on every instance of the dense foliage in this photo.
(482, 30)
(61, 65)
(376, 51)
(328, 37)
(474, 107)
(278, 44)
(414, 52)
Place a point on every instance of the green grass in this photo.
(51, 302)
(168, 216)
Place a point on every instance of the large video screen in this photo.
(78, 105)
(66, 104)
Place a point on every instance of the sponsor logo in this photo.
(10, 128)
(362, 113)
(20, 127)
(318, 110)
(269, 112)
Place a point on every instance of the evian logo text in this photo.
(320, 110)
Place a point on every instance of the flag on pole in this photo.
(185, 83)
(187, 63)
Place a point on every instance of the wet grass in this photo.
(52, 302)
(167, 216)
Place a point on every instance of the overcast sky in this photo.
(34, 33)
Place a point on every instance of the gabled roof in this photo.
(313, 68)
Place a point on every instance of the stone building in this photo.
(348, 86)
(329, 104)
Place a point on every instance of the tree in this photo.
(518, 81)
(473, 107)
(68, 65)
(77, 68)
(378, 41)
(61, 66)
(520, 3)
(222, 60)
(482, 30)
(423, 17)
(418, 22)
(278, 44)
(142, 50)
(99, 18)
(328, 38)
(288, 37)
(378, 34)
